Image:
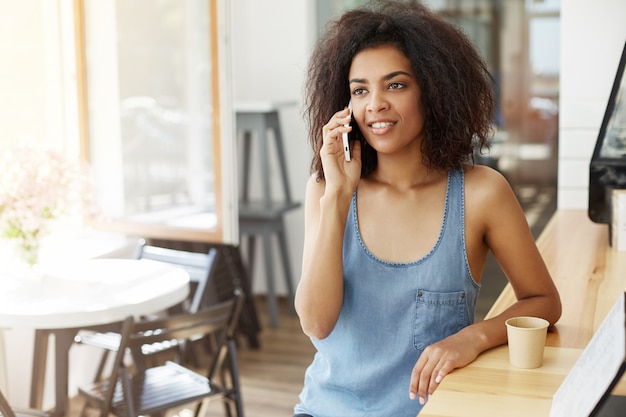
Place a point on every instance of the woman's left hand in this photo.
(437, 361)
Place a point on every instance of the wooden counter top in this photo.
(590, 276)
(489, 387)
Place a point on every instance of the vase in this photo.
(18, 259)
(28, 252)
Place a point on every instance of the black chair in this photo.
(142, 389)
(7, 411)
(229, 272)
(201, 270)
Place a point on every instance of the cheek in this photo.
(418, 116)
(417, 107)
(415, 116)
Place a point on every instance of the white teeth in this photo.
(380, 125)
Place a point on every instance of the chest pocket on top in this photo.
(437, 316)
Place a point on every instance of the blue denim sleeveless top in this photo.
(390, 313)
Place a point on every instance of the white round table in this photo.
(83, 294)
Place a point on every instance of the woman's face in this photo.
(386, 99)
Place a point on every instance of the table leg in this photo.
(3, 364)
(63, 342)
(40, 355)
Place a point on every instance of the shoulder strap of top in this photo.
(454, 216)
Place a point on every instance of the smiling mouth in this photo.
(381, 125)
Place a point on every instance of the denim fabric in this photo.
(390, 313)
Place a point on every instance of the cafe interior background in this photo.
(146, 92)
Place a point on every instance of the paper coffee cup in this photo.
(527, 338)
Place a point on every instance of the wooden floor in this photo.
(272, 376)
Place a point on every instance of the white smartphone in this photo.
(344, 136)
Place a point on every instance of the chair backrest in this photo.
(5, 408)
(219, 319)
(199, 266)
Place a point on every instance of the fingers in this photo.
(338, 169)
(427, 375)
(420, 379)
(337, 125)
(437, 361)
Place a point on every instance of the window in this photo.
(152, 115)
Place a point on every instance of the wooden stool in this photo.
(265, 218)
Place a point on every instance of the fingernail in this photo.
(438, 379)
(422, 400)
(412, 395)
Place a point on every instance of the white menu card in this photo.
(597, 370)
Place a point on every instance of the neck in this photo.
(404, 174)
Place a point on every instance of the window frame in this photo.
(226, 228)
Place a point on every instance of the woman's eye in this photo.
(396, 86)
(359, 91)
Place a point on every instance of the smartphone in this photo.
(344, 136)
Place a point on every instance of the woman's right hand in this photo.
(339, 173)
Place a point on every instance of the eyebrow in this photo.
(385, 78)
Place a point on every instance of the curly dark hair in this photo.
(455, 84)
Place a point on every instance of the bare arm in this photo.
(497, 224)
(509, 238)
(319, 295)
(320, 291)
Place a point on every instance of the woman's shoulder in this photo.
(482, 175)
(485, 183)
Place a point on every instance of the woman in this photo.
(397, 237)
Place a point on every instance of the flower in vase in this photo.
(37, 186)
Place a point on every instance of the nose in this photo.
(377, 101)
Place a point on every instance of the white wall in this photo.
(592, 38)
(272, 41)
